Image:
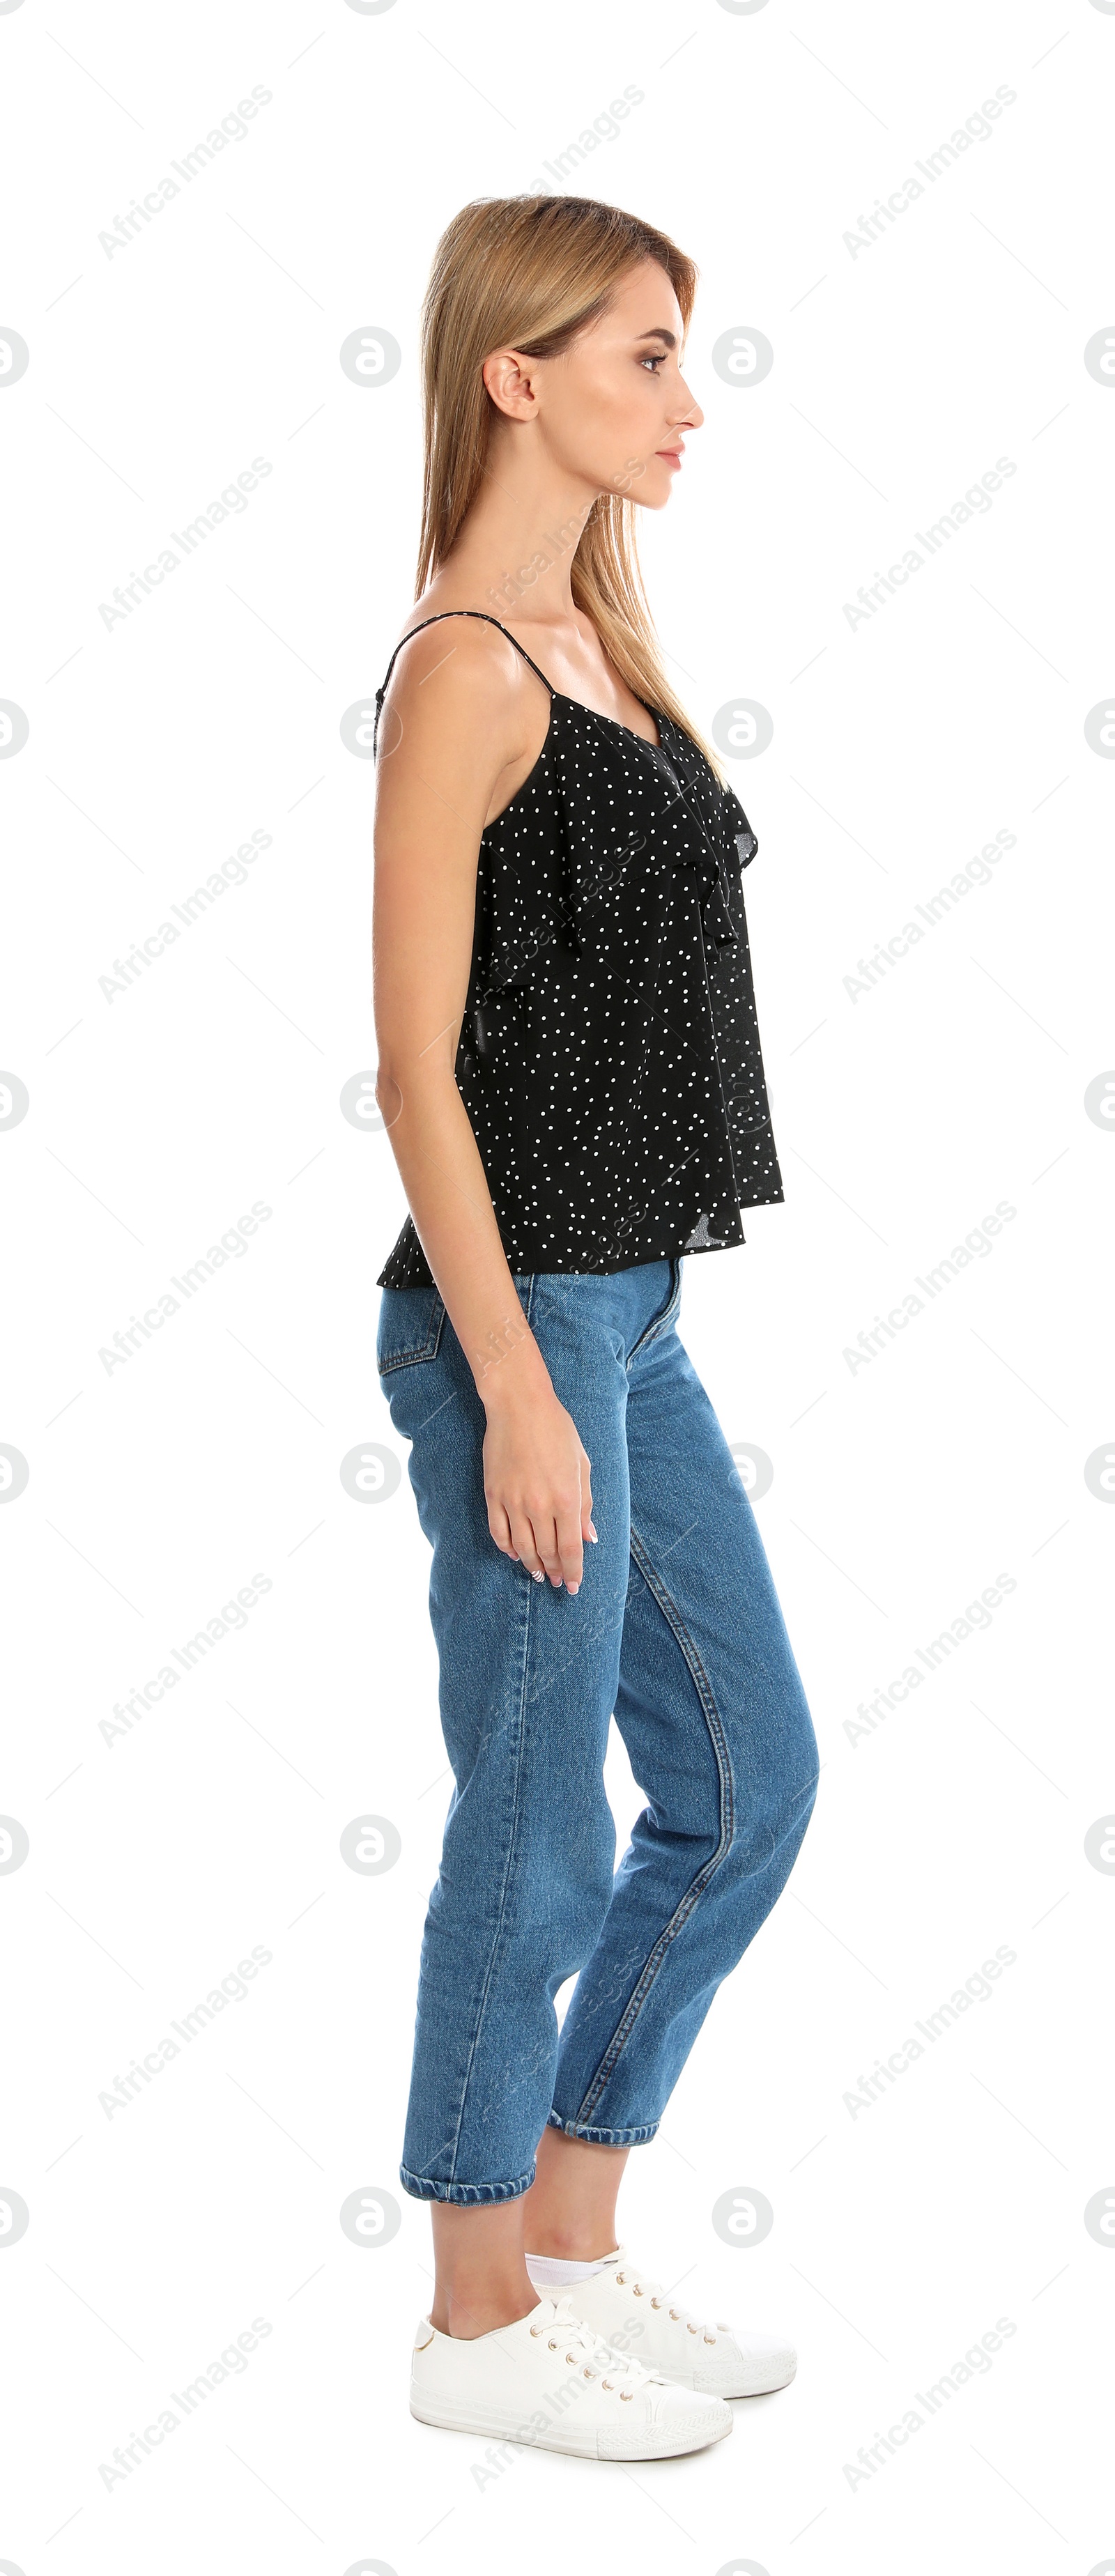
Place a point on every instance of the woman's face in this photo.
(613, 411)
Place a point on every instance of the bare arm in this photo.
(456, 718)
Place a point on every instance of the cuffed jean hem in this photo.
(467, 2195)
(604, 2137)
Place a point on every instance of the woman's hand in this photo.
(538, 1483)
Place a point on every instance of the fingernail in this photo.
(592, 1533)
(539, 1577)
(572, 1588)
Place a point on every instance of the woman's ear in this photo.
(510, 381)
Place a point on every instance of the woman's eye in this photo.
(658, 361)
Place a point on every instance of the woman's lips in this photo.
(673, 455)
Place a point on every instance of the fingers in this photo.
(500, 1528)
(558, 1543)
(550, 1549)
(587, 1527)
(567, 1532)
(546, 1531)
(523, 1546)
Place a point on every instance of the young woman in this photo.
(569, 1068)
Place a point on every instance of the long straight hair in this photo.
(531, 273)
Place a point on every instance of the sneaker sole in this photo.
(664, 2443)
(760, 2387)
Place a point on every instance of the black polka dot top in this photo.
(609, 1057)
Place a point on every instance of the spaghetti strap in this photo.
(436, 621)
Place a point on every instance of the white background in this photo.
(903, 1116)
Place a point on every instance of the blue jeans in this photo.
(678, 1630)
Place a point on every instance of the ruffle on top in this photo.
(678, 819)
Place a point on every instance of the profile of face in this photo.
(611, 413)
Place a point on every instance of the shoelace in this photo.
(654, 2291)
(569, 2335)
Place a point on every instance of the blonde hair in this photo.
(531, 273)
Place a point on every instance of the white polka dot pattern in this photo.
(610, 1060)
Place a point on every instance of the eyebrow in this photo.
(659, 334)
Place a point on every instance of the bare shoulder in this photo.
(460, 679)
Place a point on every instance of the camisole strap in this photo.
(436, 621)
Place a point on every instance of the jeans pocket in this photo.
(409, 1329)
(674, 1299)
(663, 1320)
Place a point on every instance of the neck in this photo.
(521, 534)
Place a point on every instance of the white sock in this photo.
(548, 2273)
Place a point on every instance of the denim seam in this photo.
(658, 1323)
(718, 1740)
(639, 2135)
(496, 1937)
(427, 1350)
(474, 2195)
(406, 1359)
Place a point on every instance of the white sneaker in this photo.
(550, 2380)
(622, 2302)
